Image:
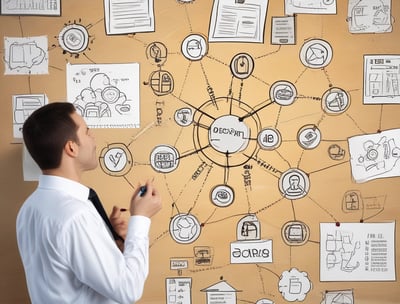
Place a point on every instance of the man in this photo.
(68, 253)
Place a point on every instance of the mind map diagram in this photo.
(233, 138)
(240, 154)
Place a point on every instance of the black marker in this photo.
(142, 190)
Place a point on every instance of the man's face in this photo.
(86, 158)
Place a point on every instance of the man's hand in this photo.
(148, 204)
(119, 222)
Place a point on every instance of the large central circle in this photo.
(223, 130)
(227, 134)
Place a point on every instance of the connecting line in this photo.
(210, 90)
(255, 111)
(201, 125)
(149, 126)
(345, 162)
(264, 268)
(196, 108)
(323, 208)
(194, 152)
(226, 169)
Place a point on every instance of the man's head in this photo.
(56, 130)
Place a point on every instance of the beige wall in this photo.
(174, 21)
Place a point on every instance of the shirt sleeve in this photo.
(97, 262)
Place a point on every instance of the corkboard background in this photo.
(329, 181)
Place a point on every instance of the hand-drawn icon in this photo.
(269, 139)
(157, 52)
(178, 290)
(178, 264)
(309, 137)
(164, 158)
(294, 184)
(95, 100)
(316, 53)
(222, 291)
(283, 30)
(353, 201)
(194, 47)
(229, 134)
(336, 152)
(25, 105)
(374, 155)
(294, 285)
(184, 117)
(26, 55)
(116, 159)
(242, 65)
(248, 228)
(161, 82)
(264, 301)
(203, 255)
(283, 93)
(249, 248)
(335, 101)
(73, 38)
(222, 196)
(314, 4)
(295, 233)
(106, 95)
(184, 228)
(370, 16)
(379, 157)
(341, 251)
(338, 297)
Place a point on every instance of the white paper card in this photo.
(357, 252)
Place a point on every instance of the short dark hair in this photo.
(47, 130)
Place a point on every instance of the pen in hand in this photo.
(142, 190)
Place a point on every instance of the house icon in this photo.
(221, 292)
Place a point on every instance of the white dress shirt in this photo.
(68, 253)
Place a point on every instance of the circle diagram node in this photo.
(184, 228)
(74, 38)
(294, 184)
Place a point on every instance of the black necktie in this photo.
(94, 198)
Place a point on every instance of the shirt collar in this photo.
(63, 184)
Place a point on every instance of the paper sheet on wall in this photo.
(241, 21)
(283, 30)
(357, 252)
(381, 79)
(366, 16)
(106, 95)
(125, 17)
(26, 55)
(375, 156)
(310, 7)
(31, 7)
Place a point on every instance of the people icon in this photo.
(294, 184)
(96, 100)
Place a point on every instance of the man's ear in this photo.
(71, 148)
